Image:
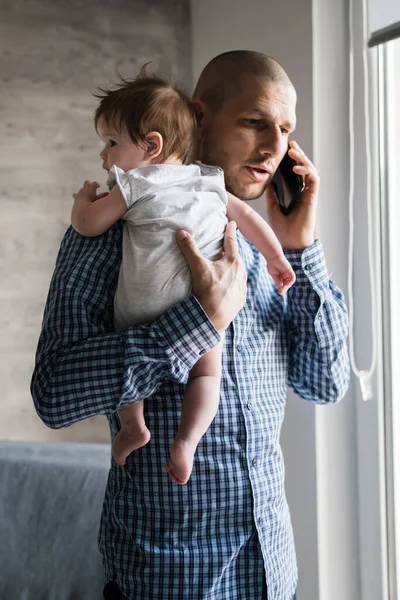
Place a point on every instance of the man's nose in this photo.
(272, 143)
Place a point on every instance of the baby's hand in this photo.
(281, 271)
(88, 192)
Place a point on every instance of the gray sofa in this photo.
(50, 502)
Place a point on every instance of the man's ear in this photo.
(154, 144)
(201, 111)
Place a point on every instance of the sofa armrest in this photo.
(51, 495)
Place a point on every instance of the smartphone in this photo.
(287, 184)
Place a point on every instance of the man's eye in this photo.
(112, 143)
(256, 122)
(284, 131)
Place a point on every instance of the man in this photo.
(226, 535)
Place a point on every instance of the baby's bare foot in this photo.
(180, 465)
(127, 440)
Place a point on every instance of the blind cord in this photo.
(364, 376)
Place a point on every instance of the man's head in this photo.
(246, 104)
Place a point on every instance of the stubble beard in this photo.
(220, 158)
(240, 190)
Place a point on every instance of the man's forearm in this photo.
(103, 373)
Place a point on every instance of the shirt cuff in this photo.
(310, 268)
(188, 332)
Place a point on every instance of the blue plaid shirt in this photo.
(228, 530)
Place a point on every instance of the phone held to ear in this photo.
(287, 184)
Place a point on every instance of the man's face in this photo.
(248, 136)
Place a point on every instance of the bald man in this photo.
(227, 534)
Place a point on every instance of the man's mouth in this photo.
(259, 173)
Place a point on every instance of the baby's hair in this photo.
(150, 103)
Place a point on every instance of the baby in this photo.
(148, 127)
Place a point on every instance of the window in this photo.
(389, 134)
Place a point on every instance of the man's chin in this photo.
(250, 198)
(246, 191)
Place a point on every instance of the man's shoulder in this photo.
(103, 249)
(88, 267)
(74, 240)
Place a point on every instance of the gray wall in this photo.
(52, 55)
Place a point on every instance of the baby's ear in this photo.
(155, 144)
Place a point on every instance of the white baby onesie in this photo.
(161, 199)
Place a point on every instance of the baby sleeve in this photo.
(127, 183)
(213, 179)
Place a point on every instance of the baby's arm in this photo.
(261, 235)
(253, 227)
(94, 214)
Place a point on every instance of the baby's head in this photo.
(144, 121)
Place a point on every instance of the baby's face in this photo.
(119, 149)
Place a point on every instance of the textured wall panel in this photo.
(52, 55)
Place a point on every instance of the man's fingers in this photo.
(298, 155)
(271, 200)
(305, 170)
(230, 241)
(189, 248)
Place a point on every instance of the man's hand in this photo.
(219, 286)
(88, 193)
(296, 230)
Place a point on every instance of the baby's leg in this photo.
(199, 406)
(133, 433)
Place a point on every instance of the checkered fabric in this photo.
(228, 530)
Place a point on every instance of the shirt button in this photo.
(260, 521)
(320, 315)
(239, 348)
(308, 267)
(254, 462)
(249, 406)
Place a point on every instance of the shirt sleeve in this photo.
(317, 321)
(128, 183)
(83, 367)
